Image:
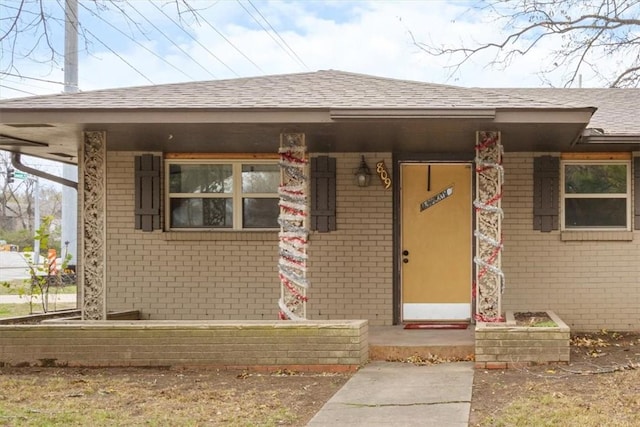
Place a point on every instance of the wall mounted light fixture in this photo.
(363, 174)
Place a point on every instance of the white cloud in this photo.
(365, 37)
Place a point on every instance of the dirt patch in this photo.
(136, 397)
(533, 319)
(600, 386)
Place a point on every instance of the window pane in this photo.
(595, 179)
(200, 178)
(595, 213)
(201, 213)
(260, 178)
(260, 213)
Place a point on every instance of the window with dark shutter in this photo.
(636, 192)
(147, 192)
(546, 198)
(323, 194)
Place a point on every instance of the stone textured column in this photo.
(294, 232)
(92, 197)
(489, 279)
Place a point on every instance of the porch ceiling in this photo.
(58, 137)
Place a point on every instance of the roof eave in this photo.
(78, 116)
(545, 115)
(610, 139)
(436, 113)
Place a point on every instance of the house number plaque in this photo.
(436, 198)
(382, 172)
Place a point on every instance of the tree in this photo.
(16, 209)
(31, 29)
(17, 205)
(600, 37)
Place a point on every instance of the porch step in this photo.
(396, 343)
(400, 352)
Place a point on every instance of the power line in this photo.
(227, 40)
(278, 34)
(171, 40)
(29, 83)
(32, 78)
(194, 39)
(137, 42)
(288, 48)
(17, 90)
(119, 56)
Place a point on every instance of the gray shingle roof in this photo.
(618, 109)
(315, 90)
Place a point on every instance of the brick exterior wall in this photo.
(310, 346)
(351, 269)
(233, 275)
(590, 284)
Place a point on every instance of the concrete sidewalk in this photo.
(401, 394)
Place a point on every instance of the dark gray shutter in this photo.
(147, 192)
(546, 193)
(323, 194)
(636, 191)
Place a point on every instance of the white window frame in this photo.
(236, 193)
(564, 196)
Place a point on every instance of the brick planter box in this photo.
(502, 345)
(260, 345)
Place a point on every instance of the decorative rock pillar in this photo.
(294, 232)
(92, 197)
(489, 278)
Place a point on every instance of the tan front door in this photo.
(435, 259)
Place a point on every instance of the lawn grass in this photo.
(152, 397)
(17, 287)
(15, 310)
(612, 402)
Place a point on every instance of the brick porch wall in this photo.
(590, 284)
(227, 275)
(309, 346)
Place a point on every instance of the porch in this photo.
(396, 343)
(308, 345)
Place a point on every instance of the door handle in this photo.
(405, 253)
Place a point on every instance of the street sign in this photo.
(20, 175)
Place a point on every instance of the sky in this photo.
(148, 42)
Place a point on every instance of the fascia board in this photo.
(440, 113)
(581, 115)
(610, 139)
(146, 116)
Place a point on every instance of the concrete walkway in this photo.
(401, 394)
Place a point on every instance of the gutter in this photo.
(591, 138)
(442, 113)
(16, 163)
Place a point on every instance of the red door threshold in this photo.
(436, 325)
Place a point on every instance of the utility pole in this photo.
(70, 195)
(71, 46)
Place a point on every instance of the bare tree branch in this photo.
(32, 24)
(589, 35)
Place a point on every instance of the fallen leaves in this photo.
(586, 341)
(431, 359)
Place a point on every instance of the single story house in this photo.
(333, 195)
